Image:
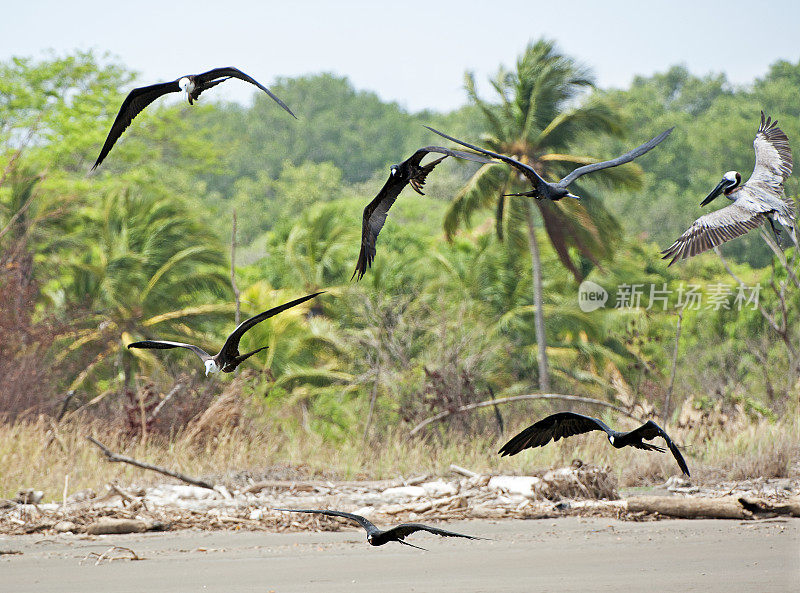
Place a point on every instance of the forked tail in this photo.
(411, 545)
(242, 357)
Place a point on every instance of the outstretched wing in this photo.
(650, 430)
(231, 347)
(773, 156)
(377, 210)
(405, 529)
(713, 229)
(556, 426)
(373, 220)
(132, 106)
(363, 521)
(232, 72)
(165, 344)
(416, 158)
(526, 170)
(620, 160)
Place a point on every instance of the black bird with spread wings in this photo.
(376, 537)
(191, 84)
(228, 357)
(410, 172)
(555, 191)
(759, 199)
(566, 424)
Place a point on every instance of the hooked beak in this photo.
(716, 192)
(206, 371)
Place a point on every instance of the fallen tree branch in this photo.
(726, 507)
(515, 398)
(690, 508)
(461, 471)
(113, 457)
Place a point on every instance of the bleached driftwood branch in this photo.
(113, 457)
(727, 507)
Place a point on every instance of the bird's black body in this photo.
(141, 97)
(565, 424)
(228, 358)
(543, 190)
(410, 172)
(376, 537)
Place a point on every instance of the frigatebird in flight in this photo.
(228, 358)
(409, 172)
(555, 191)
(760, 198)
(191, 84)
(376, 537)
(565, 424)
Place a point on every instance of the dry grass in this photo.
(34, 454)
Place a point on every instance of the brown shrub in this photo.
(27, 383)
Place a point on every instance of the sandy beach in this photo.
(568, 554)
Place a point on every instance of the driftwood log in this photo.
(112, 525)
(726, 507)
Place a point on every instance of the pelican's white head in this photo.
(730, 181)
(211, 367)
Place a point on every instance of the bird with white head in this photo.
(229, 357)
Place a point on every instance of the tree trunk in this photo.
(541, 340)
(665, 411)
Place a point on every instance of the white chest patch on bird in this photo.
(611, 439)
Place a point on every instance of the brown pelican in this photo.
(376, 537)
(191, 84)
(555, 191)
(228, 358)
(409, 172)
(565, 424)
(760, 198)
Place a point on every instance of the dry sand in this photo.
(569, 554)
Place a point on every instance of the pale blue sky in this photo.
(411, 52)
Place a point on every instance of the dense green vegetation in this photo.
(141, 248)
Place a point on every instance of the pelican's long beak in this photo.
(716, 192)
(573, 196)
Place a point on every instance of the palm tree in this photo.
(536, 121)
(147, 267)
(317, 249)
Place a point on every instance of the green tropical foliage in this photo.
(140, 248)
